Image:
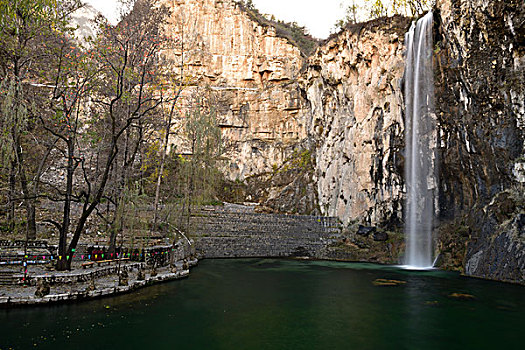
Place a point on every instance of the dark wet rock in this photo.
(387, 282)
(380, 236)
(365, 230)
(300, 252)
(520, 223)
(361, 244)
(461, 296)
(480, 94)
(502, 207)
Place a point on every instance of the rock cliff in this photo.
(480, 96)
(344, 109)
(253, 75)
(326, 134)
(354, 88)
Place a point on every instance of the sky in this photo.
(318, 16)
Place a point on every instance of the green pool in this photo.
(283, 304)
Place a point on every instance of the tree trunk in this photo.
(63, 263)
(19, 159)
(159, 176)
(31, 221)
(28, 201)
(113, 239)
(11, 197)
(125, 174)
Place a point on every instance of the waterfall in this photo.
(421, 136)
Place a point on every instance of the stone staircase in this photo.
(7, 278)
(221, 233)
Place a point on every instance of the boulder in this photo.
(91, 286)
(42, 288)
(123, 278)
(380, 236)
(383, 282)
(153, 272)
(140, 275)
(365, 230)
(462, 296)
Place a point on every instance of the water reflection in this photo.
(282, 304)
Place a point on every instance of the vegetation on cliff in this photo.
(294, 33)
(363, 11)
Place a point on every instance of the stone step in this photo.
(7, 278)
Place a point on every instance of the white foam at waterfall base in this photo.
(420, 137)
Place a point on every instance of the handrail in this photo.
(180, 232)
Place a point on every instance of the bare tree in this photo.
(176, 82)
(26, 27)
(199, 169)
(103, 93)
(142, 35)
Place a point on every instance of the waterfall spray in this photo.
(421, 136)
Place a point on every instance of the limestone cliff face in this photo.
(346, 105)
(480, 96)
(330, 137)
(354, 89)
(252, 73)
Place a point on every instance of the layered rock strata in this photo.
(252, 73)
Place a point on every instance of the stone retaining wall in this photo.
(224, 234)
(83, 295)
(83, 276)
(181, 266)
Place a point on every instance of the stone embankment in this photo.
(223, 233)
(75, 286)
(235, 231)
(41, 284)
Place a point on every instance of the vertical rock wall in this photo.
(480, 99)
(347, 106)
(253, 76)
(355, 94)
(480, 94)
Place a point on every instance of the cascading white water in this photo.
(421, 136)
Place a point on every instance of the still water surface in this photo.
(283, 304)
